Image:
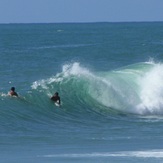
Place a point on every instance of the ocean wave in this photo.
(134, 89)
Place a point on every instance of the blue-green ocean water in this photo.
(110, 80)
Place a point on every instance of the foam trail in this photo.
(139, 154)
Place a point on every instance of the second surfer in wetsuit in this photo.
(56, 98)
(12, 92)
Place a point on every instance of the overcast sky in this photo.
(51, 11)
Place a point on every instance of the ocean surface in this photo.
(110, 80)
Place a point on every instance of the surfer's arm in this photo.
(52, 98)
(12, 94)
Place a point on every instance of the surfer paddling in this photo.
(12, 92)
(56, 98)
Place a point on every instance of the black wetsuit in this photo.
(56, 98)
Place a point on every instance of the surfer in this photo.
(56, 98)
(12, 92)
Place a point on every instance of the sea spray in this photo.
(152, 91)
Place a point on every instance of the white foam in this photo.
(138, 154)
(151, 93)
(3, 94)
(67, 71)
(74, 69)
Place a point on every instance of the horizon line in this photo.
(82, 22)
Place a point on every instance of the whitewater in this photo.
(109, 77)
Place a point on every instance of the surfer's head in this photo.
(12, 88)
(56, 93)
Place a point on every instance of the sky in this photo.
(58, 11)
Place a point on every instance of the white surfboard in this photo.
(57, 104)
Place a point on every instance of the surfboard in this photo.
(57, 104)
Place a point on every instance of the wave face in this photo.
(133, 89)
